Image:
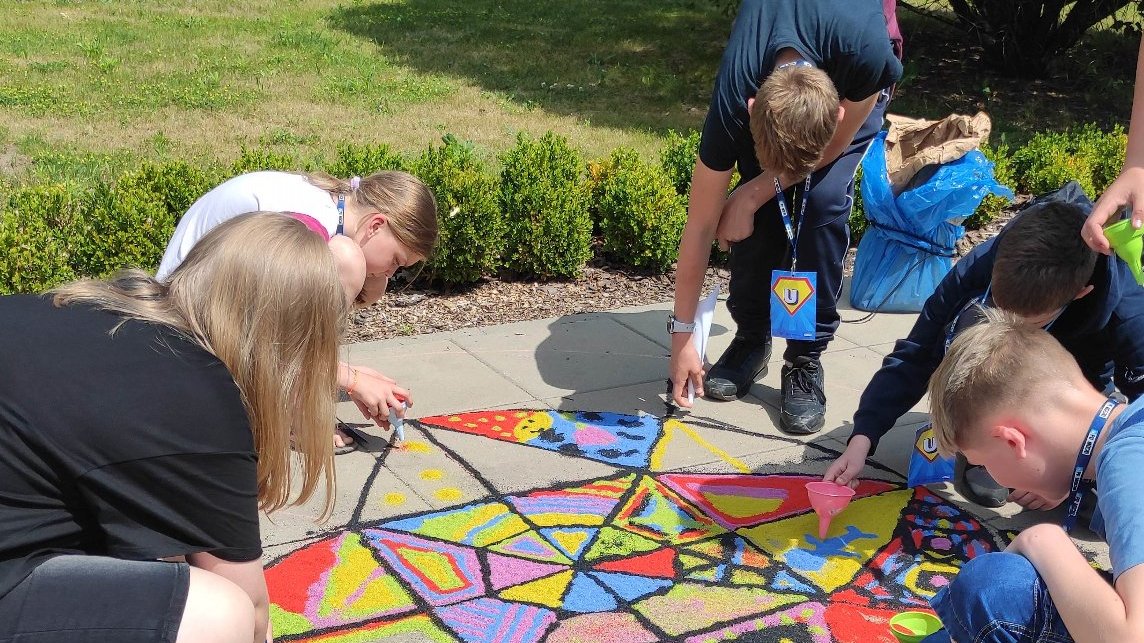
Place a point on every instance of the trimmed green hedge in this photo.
(544, 198)
(535, 219)
(472, 229)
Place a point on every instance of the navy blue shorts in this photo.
(95, 599)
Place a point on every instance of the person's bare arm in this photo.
(1128, 188)
(249, 577)
(738, 217)
(1091, 609)
(708, 193)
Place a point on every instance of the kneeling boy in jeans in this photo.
(1011, 398)
(1040, 269)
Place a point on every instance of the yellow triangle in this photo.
(855, 536)
(570, 541)
(544, 591)
(741, 506)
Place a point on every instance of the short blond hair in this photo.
(1000, 363)
(793, 118)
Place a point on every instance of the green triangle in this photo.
(612, 542)
(708, 574)
(690, 562)
(746, 576)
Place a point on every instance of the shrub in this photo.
(1086, 155)
(176, 184)
(35, 238)
(991, 206)
(858, 222)
(121, 225)
(255, 160)
(544, 200)
(363, 160)
(678, 159)
(641, 214)
(469, 218)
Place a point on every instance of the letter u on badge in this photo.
(790, 296)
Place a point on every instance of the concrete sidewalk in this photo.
(612, 361)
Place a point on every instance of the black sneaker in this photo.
(978, 487)
(803, 407)
(741, 364)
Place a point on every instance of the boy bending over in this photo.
(1040, 269)
(1011, 398)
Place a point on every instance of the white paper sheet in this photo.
(703, 316)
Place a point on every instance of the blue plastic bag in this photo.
(909, 244)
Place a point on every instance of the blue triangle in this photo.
(631, 587)
(586, 595)
(784, 580)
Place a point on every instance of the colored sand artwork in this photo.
(642, 555)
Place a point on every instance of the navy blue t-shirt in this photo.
(847, 39)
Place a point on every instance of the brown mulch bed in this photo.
(414, 309)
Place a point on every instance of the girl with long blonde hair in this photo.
(373, 225)
(143, 424)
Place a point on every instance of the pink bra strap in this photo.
(312, 224)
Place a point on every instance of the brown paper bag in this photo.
(912, 143)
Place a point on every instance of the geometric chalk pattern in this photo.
(637, 556)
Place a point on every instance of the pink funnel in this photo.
(827, 499)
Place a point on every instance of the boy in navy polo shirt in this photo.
(1040, 269)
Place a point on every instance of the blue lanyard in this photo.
(341, 214)
(1076, 491)
(791, 233)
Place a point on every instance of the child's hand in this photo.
(375, 393)
(846, 469)
(685, 365)
(737, 221)
(1030, 500)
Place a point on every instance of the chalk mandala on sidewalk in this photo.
(642, 555)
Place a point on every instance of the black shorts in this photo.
(94, 599)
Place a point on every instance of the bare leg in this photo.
(217, 611)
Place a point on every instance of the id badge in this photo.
(926, 466)
(794, 304)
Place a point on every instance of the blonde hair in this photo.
(273, 317)
(793, 118)
(407, 203)
(999, 363)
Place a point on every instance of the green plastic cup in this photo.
(912, 627)
(1128, 242)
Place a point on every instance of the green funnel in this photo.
(912, 627)
(1128, 242)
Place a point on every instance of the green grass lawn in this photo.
(91, 85)
(148, 78)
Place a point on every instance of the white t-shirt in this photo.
(270, 191)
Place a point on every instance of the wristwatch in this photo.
(676, 326)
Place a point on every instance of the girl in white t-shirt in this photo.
(375, 225)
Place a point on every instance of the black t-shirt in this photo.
(845, 38)
(134, 445)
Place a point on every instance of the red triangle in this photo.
(499, 425)
(788, 490)
(657, 564)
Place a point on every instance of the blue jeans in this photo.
(998, 597)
